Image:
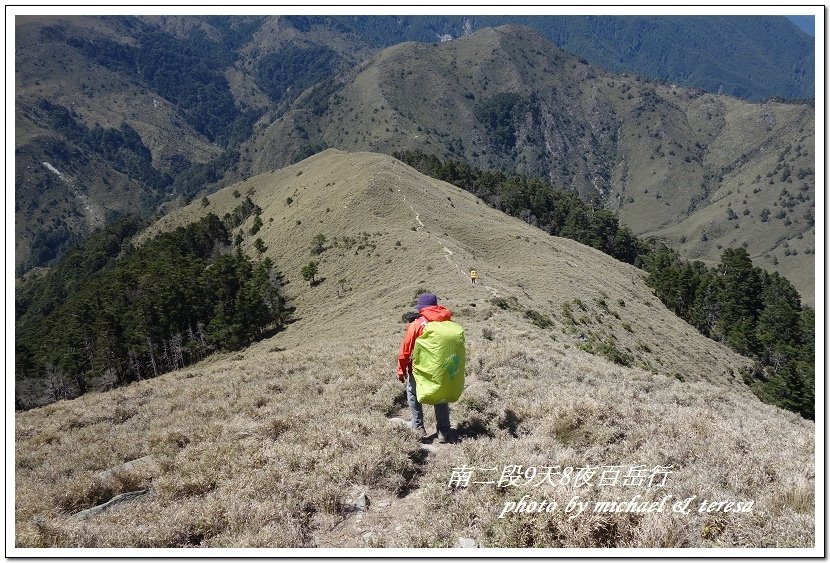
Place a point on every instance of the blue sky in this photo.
(807, 23)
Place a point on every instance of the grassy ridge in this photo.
(696, 169)
(756, 313)
(679, 49)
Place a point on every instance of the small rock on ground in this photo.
(397, 421)
(363, 502)
(466, 542)
(431, 448)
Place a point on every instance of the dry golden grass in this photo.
(240, 448)
(268, 451)
(272, 446)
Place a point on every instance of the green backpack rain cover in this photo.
(438, 363)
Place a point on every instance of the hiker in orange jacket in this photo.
(428, 310)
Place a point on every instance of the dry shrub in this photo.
(479, 397)
(196, 472)
(42, 532)
(276, 427)
(328, 499)
(196, 527)
(574, 424)
(83, 493)
(91, 490)
(167, 442)
(660, 530)
(797, 497)
(172, 488)
(44, 439)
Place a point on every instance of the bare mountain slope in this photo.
(298, 440)
(506, 97)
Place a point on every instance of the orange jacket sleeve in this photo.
(413, 331)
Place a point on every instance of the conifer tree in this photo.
(309, 272)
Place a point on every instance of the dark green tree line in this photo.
(500, 114)
(756, 313)
(122, 147)
(139, 312)
(289, 71)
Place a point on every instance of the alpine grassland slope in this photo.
(762, 199)
(298, 440)
(118, 114)
(671, 161)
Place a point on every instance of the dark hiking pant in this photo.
(442, 410)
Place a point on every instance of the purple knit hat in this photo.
(426, 300)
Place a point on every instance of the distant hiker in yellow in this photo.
(473, 276)
(432, 352)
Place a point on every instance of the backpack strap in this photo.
(422, 322)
